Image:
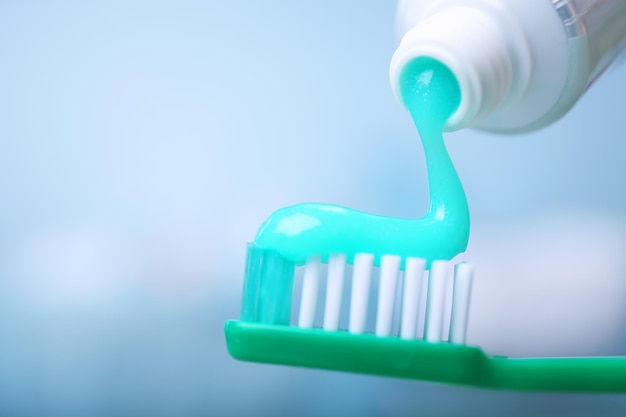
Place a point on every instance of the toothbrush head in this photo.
(402, 340)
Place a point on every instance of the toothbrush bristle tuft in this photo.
(399, 300)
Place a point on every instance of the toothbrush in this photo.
(315, 236)
(265, 333)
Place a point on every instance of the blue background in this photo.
(142, 143)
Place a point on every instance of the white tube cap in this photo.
(495, 48)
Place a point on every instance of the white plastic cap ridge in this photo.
(488, 57)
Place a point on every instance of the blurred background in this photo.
(143, 142)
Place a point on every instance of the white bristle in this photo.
(413, 273)
(362, 273)
(421, 307)
(463, 274)
(310, 284)
(334, 291)
(436, 299)
(390, 266)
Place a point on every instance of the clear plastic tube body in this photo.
(600, 25)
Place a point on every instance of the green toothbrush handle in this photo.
(420, 360)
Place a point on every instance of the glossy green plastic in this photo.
(416, 359)
(431, 93)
